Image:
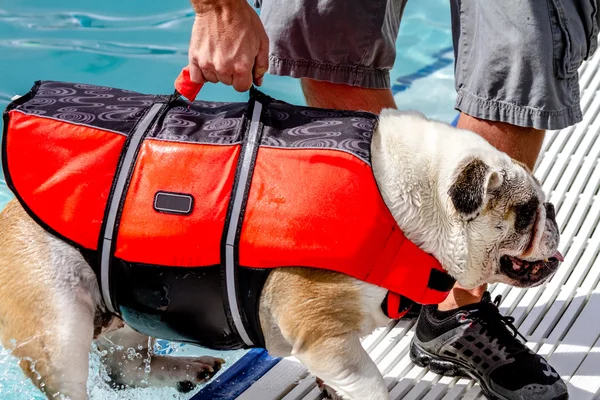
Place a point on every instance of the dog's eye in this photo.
(525, 214)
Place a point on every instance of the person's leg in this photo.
(521, 143)
(527, 80)
(344, 97)
(341, 52)
(516, 76)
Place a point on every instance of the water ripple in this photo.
(94, 46)
(5, 97)
(80, 20)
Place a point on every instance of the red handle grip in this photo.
(185, 86)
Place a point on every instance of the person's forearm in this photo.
(202, 6)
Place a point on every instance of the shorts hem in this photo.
(358, 75)
(526, 116)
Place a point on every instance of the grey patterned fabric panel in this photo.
(202, 122)
(304, 127)
(101, 107)
(284, 125)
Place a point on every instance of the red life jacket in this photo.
(154, 180)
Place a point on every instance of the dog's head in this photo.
(511, 231)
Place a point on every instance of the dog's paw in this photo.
(198, 370)
(208, 366)
(327, 391)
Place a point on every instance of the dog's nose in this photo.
(550, 212)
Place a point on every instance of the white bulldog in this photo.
(480, 213)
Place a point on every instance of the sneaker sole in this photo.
(445, 367)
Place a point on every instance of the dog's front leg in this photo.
(344, 365)
(52, 341)
(47, 304)
(130, 363)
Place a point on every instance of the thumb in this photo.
(196, 74)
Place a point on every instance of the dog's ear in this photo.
(473, 181)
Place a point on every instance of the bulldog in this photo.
(480, 214)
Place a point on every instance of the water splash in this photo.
(15, 386)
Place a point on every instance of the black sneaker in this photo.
(476, 341)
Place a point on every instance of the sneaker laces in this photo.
(498, 327)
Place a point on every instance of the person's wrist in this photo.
(206, 6)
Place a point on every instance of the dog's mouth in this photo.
(529, 272)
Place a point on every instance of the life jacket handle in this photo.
(185, 87)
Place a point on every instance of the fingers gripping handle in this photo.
(185, 86)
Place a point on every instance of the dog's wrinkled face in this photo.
(512, 232)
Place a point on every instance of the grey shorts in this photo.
(516, 61)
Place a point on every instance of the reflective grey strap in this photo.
(109, 226)
(234, 221)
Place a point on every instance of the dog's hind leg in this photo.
(343, 364)
(130, 364)
(320, 316)
(47, 305)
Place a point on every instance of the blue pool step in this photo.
(239, 377)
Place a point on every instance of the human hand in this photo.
(229, 44)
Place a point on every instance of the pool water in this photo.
(141, 45)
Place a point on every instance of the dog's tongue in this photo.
(558, 256)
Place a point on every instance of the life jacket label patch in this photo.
(173, 203)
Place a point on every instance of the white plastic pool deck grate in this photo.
(561, 320)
